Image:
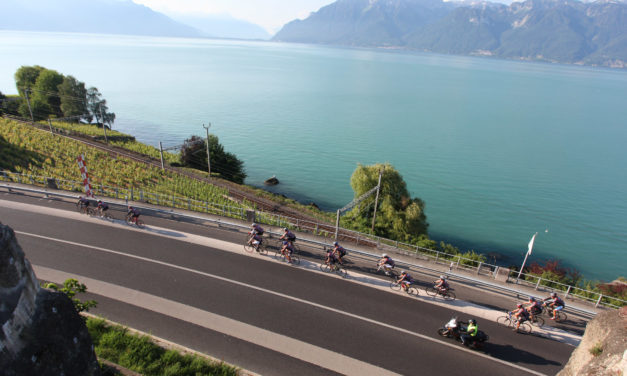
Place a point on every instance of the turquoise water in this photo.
(498, 150)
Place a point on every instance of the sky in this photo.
(269, 14)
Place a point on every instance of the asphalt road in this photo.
(263, 316)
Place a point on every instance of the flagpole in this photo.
(526, 255)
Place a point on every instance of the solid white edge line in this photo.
(405, 331)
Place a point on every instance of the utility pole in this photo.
(208, 157)
(104, 127)
(29, 108)
(376, 201)
(161, 151)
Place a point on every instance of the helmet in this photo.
(553, 295)
(254, 224)
(403, 272)
(472, 321)
(519, 305)
(384, 255)
(442, 277)
(532, 299)
(130, 207)
(286, 229)
(336, 243)
(99, 201)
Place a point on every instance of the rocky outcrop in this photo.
(603, 349)
(42, 334)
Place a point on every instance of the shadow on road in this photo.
(515, 355)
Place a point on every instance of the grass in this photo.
(138, 353)
(596, 350)
(31, 151)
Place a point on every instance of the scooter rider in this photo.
(471, 333)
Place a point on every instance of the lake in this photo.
(497, 149)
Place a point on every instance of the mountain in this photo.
(223, 26)
(92, 16)
(566, 31)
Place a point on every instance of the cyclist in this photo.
(102, 207)
(255, 240)
(556, 303)
(256, 228)
(405, 280)
(331, 259)
(471, 334)
(521, 315)
(386, 263)
(339, 252)
(442, 285)
(134, 213)
(533, 307)
(83, 203)
(287, 250)
(288, 236)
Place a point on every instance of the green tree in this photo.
(194, 154)
(98, 109)
(26, 76)
(73, 97)
(71, 287)
(2, 100)
(399, 216)
(46, 90)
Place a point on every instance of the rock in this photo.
(272, 181)
(42, 334)
(607, 332)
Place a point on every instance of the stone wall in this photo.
(42, 334)
(606, 332)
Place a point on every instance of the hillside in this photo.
(565, 31)
(93, 16)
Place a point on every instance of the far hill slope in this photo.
(565, 31)
(93, 16)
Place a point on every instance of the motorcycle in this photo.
(454, 329)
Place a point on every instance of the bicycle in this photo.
(280, 255)
(83, 209)
(510, 322)
(388, 272)
(130, 220)
(410, 290)
(260, 248)
(104, 214)
(279, 245)
(434, 292)
(560, 315)
(337, 268)
(537, 320)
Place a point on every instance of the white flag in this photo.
(531, 244)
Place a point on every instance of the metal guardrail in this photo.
(323, 245)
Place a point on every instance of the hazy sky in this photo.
(269, 14)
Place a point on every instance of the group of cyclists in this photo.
(525, 312)
(102, 207)
(405, 280)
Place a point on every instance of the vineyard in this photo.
(28, 150)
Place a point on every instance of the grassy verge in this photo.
(138, 353)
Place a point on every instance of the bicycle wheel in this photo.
(325, 267)
(341, 271)
(449, 295)
(249, 248)
(262, 249)
(295, 259)
(139, 223)
(561, 316)
(413, 291)
(89, 211)
(524, 328)
(108, 216)
(537, 321)
(504, 321)
(129, 220)
(444, 332)
(431, 291)
(395, 286)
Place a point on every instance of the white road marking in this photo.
(337, 311)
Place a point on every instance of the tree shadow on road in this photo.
(515, 355)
